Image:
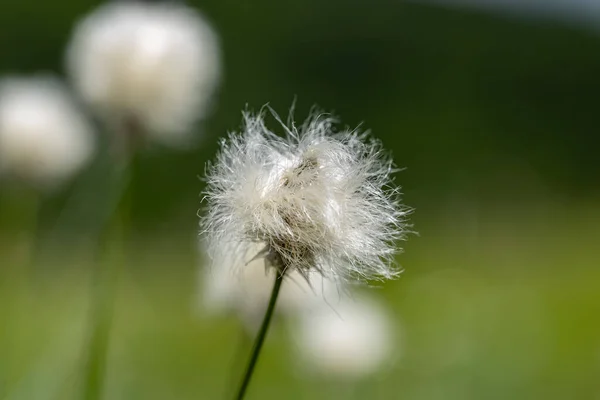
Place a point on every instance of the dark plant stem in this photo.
(260, 338)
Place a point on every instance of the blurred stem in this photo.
(20, 215)
(262, 334)
(105, 278)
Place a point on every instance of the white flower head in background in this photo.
(350, 339)
(155, 63)
(44, 137)
(316, 200)
(244, 290)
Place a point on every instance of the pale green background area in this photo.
(495, 120)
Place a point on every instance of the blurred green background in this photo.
(494, 120)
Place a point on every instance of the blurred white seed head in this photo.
(244, 289)
(156, 63)
(317, 199)
(350, 339)
(44, 138)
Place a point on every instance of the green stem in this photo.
(19, 213)
(260, 338)
(101, 320)
(105, 279)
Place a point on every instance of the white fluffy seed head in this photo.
(244, 289)
(350, 339)
(157, 63)
(318, 199)
(44, 138)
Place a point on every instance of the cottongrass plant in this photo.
(317, 199)
(45, 139)
(148, 70)
(154, 65)
(44, 136)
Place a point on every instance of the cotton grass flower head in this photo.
(316, 199)
(154, 63)
(44, 138)
(244, 289)
(350, 339)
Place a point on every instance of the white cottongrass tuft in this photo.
(244, 290)
(155, 63)
(349, 339)
(316, 199)
(44, 138)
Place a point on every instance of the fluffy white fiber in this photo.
(157, 63)
(316, 199)
(350, 339)
(44, 138)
